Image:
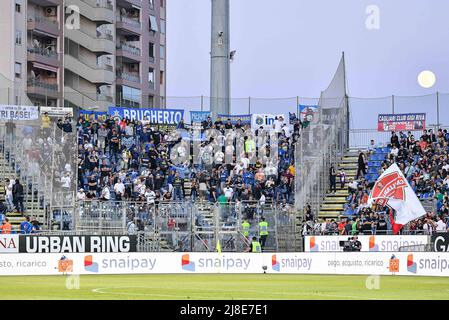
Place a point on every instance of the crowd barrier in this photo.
(360, 263)
(370, 243)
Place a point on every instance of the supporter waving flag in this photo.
(393, 190)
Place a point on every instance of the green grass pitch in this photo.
(221, 286)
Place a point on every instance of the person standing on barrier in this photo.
(256, 247)
(177, 187)
(263, 231)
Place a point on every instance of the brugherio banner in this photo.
(440, 241)
(93, 115)
(57, 112)
(199, 116)
(73, 244)
(23, 113)
(401, 122)
(153, 116)
(244, 118)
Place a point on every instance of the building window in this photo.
(18, 70)
(18, 8)
(162, 52)
(162, 3)
(151, 4)
(162, 78)
(153, 24)
(151, 52)
(163, 26)
(151, 75)
(18, 37)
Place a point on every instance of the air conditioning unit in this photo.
(50, 11)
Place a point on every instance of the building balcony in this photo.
(44, 56)
(47, 3)
(99, 43)
(42, 88)
(43, 24)
(88, 100)
(100, 11)
(124, 3)
(128, 52)
(128, 79)
(129, 26)
(93, 73)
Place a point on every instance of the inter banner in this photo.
(244, 118)
(401, 122)
(155, 116)
(14, 112)
(72, 244)
(265, 120)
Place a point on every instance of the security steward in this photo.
(263, 231)
(255, 246)
(245, 228)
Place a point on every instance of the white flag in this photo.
(393, 189)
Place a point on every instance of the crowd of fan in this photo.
(425, 164)
(130, 160)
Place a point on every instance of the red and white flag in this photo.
(392, 189)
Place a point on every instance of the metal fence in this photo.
(187, 226)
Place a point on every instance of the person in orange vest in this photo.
(6, 227)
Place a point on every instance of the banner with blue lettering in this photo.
(244, 118)
(93, 115)
(199, 116)
(166, 117)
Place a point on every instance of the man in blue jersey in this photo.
(26, 227)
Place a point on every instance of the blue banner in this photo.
(94, 115)
(244, 118)
(154, 116)
(199, 116)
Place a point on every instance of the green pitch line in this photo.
(185, 287)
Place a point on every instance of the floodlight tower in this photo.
(220, 58)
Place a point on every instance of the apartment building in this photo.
(84, 53)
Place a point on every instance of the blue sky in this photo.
(287, 48)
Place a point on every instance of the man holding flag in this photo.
(393, 190)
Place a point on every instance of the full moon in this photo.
(426, 79)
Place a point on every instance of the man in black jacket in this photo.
(17, 193)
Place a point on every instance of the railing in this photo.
(40, 84)
(151, 59)
(99, 4)
(128, 76)
(131, 22)
(186, 225)
(129, 48)
(41, 19)
(42, 52)
(105, 36)
(151, 85)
